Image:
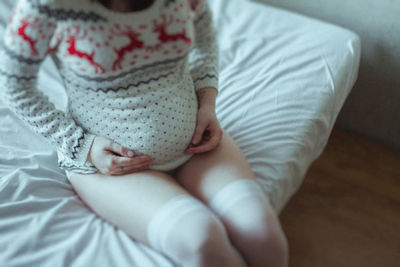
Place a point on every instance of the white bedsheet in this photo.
(283, 81)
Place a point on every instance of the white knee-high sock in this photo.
(234, 192)
(252, 223)
(169, 216)
(242, 205)
(183, 225)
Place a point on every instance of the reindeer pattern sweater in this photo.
(131, 77)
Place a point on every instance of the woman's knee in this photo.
(208, 243)
(259, 234)
(269, 247)
(186, 229)
(208, 234)
(276, 244)
(281, 245)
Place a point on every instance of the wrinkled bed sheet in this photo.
(283, 81)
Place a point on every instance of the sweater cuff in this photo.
(206, 81)
(85, 146)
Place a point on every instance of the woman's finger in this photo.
(121, 170)
(132, 161)
(135, 170)
(205, 147)
(214, 138)
(198, 134)
(118, 161)
(142, 166)
(120, 150)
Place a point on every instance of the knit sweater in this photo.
(129, 76)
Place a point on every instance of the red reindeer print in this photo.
(164, 36)
(21, 32)
(73, 51)
(134, 43)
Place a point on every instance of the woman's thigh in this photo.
(127, 201)
(204, 174)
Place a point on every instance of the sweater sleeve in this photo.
(203, 58)
(29, 37)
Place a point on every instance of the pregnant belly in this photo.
(163, 136)
(161, 128)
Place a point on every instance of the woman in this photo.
(140, 141)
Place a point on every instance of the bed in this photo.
(283, 80)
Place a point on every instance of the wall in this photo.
(373, 106)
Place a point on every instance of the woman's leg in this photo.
(153, 208)
(223, 180)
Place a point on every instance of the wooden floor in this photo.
(347, 211)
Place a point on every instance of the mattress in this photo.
(283, 80)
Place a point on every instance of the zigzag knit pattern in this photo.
(62, 14)
(131, 77)
(19, 57)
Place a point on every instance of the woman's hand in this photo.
(113, 159)
(208, 132)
